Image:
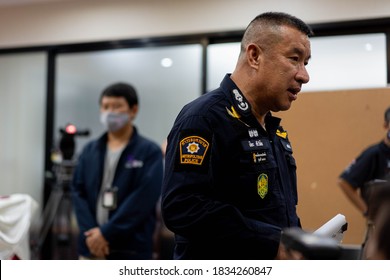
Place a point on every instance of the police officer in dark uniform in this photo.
(230, 178)
(372, 164)
(368, 169)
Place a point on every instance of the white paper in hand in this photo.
(334, 228)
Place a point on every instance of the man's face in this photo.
(283, 70)
(116, 105)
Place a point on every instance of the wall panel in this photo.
(328, 130)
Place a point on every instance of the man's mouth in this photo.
(294, 92)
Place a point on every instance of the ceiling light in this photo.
(166, 62)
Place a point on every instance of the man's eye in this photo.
(294, 58)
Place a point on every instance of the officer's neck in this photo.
(260, 117)
(258, 112)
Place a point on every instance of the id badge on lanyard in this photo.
(109, 200)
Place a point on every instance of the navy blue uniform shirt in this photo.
(373, 163)
(230, 186)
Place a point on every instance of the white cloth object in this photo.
(334, 228)
(16, 214)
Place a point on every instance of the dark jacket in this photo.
(138, 178)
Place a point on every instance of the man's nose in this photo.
(303, 75)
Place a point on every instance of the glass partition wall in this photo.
(165, 78)
(22, 123)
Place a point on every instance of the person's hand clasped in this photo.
(97, 244)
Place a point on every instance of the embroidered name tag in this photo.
(254, 144)
(259, 157)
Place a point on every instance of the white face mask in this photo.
(114, 121)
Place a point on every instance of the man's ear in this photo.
(134, 111)
(253, 55)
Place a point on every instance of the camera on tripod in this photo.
(56, 219)
(62, 156)
(67, 141)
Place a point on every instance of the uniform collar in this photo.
(242, 106)
(234, 94)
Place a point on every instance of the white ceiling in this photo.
(29, 2)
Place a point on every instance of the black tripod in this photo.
(56, 224)
(56, 229)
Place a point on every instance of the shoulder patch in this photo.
(193, 150)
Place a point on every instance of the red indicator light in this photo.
(71, 129)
